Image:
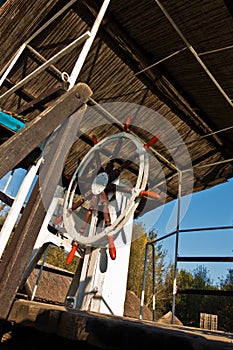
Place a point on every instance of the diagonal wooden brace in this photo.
(17, 147)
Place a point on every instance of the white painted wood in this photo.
(17, 206)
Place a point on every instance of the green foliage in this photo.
(136, 263)
(57, 257)
(188, 306)
(137, 267)
(2, 219)
(224, 308)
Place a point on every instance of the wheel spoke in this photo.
(98, 162)
(110, 166)
(81, 200)
(117, 148)
(75, 205)
(93, 204)
(113, 188)
(104, 200)
(115, 173)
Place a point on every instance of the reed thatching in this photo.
(171, 57)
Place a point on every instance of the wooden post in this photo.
(19, 249)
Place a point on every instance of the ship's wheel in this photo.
(92, 216)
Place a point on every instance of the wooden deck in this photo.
(111, 332)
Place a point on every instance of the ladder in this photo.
(88, 38)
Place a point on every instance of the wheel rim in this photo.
(95, 180)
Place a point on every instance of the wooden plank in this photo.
(114, 332)
(21, 144)
(41, 100)
(26, 312)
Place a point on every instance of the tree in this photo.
(136, 262)
(189, 306)
(3, 215)
(225, 307)
(57, 257)
(140, 243)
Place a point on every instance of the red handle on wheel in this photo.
(71, 253)
(94, 138)
(112, 248)
(153, 195)
(152, 141)
(57, 220)
(127, 124)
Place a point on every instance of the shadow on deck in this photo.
(34, 325)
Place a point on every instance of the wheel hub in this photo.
(99, 184)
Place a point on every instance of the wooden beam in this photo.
(22, 143)
(20, 247)
(41, 100)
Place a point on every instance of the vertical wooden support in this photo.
(19, 249)
(18, 252)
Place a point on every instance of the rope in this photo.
(15, 115)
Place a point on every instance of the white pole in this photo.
(17, 206)
(8, 181)
(80, 61)
(46, 64)
(39, 273)
(12, 63)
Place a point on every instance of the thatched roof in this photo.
(171, 57)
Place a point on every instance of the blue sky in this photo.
(208, 208)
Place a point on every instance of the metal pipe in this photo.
(8, 180)
(160, 61)
(40, 272)
(80, 61)
(12, 62)
(207, 228)
(185, 230)
(153, 282)
(205, 258)
(48, 63)
(143, 283)
(176, 246)
(213, 164)
(230, 47)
